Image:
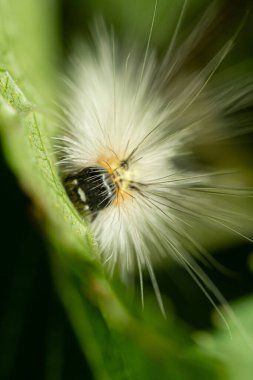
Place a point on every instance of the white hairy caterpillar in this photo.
(130, 119)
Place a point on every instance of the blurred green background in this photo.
(101, 331)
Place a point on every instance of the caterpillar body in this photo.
(134, 124)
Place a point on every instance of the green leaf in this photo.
(236, 350)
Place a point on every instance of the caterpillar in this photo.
(134, 124)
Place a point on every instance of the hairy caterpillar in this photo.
(133, 126)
